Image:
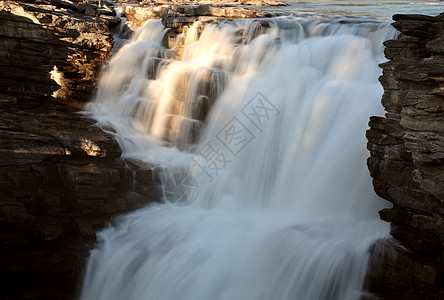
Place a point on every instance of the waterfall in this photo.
(260, 126)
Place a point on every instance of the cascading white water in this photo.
(285, 208)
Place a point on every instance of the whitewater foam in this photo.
(285, 208)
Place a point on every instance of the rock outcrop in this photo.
(407, 161)
(52, 48)
(61, 177)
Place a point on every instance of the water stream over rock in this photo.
(264, 121)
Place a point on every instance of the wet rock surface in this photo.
(406, 162)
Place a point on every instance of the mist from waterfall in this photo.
(268, 118)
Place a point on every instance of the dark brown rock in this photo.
(55, 193)
(85, 229)
(407, 162)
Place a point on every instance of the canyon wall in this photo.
(407, 161)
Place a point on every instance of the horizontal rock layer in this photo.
(407, 160)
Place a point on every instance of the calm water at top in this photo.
(382, 9)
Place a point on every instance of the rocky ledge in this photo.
(178, 15)
(407, 162)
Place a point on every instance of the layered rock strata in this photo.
(407, 161)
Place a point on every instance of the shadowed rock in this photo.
(407, 161)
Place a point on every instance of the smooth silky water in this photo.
(282, 204)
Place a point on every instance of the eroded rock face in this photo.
(407, 160)
(52, 48)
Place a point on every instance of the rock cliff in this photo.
(61, 177)
(407, 161)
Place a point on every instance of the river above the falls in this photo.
(380, 9)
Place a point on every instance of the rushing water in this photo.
(281, 201)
